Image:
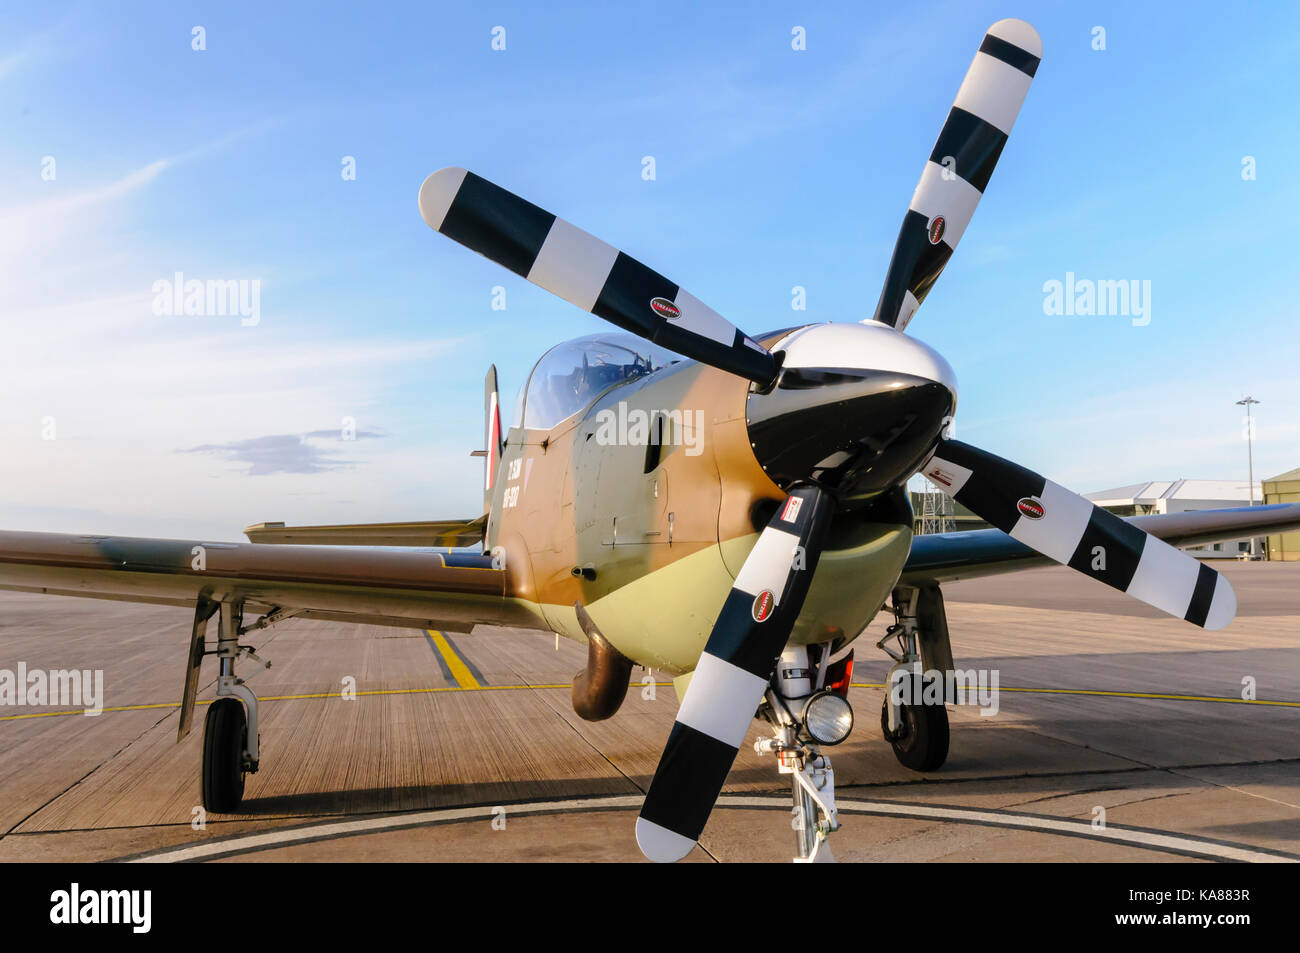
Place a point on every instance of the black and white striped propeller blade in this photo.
(960, 166)
(1077, 533)
(732, 675)
(585, 271)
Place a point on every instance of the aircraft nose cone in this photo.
(856, 408)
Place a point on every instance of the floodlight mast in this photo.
(1247, 401)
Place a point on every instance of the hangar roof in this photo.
(1148, 493)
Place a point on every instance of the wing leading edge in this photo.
(451, 591)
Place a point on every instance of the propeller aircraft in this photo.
(680, 495)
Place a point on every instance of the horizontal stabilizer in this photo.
(449, 533)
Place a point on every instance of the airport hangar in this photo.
(941, 514)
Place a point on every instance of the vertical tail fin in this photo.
(492, 439)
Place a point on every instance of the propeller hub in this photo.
(856, 408)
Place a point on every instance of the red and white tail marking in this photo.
(493, 442)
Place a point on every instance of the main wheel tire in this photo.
(224, 733)
(921, 742)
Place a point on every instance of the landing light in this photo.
(828, 718)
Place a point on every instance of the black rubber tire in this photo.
(223, 756)
(922, 742)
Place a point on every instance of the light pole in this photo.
(1250, 454)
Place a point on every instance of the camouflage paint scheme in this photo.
(665, 545)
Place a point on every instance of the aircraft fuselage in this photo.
(643, 506)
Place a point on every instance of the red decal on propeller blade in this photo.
(1030, 508)
(940, 476)
(665, 308)
(791, 511)
(763, 604)
(935, 232)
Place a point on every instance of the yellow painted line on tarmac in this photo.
(307, 695)
(1156, 695)
(459, 670)
(82, 711)
(565, 685)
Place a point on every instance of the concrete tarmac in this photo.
(1120, 734)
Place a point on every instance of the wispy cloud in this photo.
(59, 40)
(62, 205)
(287, 453)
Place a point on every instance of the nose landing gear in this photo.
(793, 694)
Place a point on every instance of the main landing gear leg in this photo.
(230, 731)
(915, 729)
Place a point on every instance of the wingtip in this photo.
(437, 193)
(660, 844)
(252, 530)
(1020, 33)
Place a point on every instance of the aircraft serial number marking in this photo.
(510, 498)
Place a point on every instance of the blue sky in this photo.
(775, 168)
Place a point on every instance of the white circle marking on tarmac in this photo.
(1153, 840)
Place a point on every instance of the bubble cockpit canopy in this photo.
(571, 375)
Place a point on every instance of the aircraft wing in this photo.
(448, 533)
(947, 557)
(451, 591)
